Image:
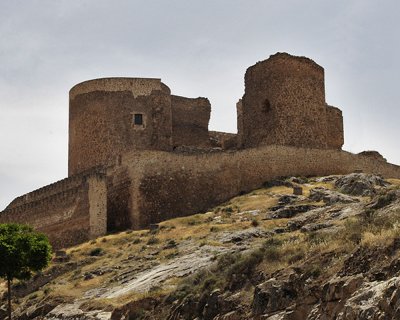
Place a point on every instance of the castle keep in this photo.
(139, 155)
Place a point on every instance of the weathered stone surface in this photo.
(190, 119)
(291, 211)
(360, 184)
(281, 94)
(273, 295)
(244, 235)
(374, 301)
(330, 196)
(73, 312)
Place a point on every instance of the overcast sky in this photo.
(198, 48)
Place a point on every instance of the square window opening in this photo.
(138, 119)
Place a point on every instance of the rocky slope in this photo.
(331, 252)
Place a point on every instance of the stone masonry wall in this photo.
(70, 211)
(101, 120)
(119, 200)
(168, 185)
(190, 119)
(224, 140)
(239, 121)
(284, 103)
(335, 135)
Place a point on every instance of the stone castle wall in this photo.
(190, 119)
(101, 120)
(139, 155)
(335, 136)
(70, 211)
(210, 179)
(284, 104)
(223, 140)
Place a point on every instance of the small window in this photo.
(138, 119)
(267, 106)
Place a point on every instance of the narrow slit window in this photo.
(138, 119)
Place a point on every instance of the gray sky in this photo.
(198, 48)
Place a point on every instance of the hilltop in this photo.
(331, 252)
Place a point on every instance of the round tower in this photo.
(111, 116)
(284, 103)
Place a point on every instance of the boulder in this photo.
(360, 184)
(329, 196)
(291, 211)
(374, 301)
(273, 295)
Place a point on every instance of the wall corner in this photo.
(97, 205)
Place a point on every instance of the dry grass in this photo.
(395, 182)
(381, 238)
(295, 248)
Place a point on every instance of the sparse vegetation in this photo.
(153, 240)
(254, 222)
(314, 255)
(96, 252)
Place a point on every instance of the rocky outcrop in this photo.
(360, 184)
(330, 196)
(275, 262)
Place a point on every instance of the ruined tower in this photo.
(284, 104)
(111, 116)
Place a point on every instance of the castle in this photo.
(139, 155)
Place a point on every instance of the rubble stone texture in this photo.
(284, 103)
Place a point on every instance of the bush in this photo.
(170, 244)
(293, 257)
(384, 199)
(254, 222)
(316, 238)
(153, 240)
(313, 271)
(273, 242)
(193, 221)
(353, 230)
(272, 250)
(96, 252)
(227, 210)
